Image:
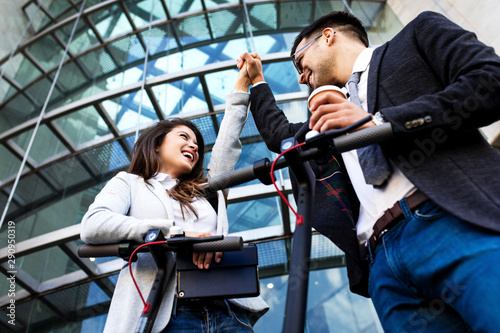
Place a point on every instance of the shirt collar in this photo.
(363, 60)
(165, 179)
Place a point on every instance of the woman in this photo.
(161, 189)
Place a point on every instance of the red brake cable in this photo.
(147, 306)
(300, 218)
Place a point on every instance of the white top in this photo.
(207, 217)
(373, 201)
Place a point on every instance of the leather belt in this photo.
(202, 303)
(391, 215)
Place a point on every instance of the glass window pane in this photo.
(47, 264)
(68, 13)
(124, 111)
(274, 43)
(251, 133)
(295, 111)
(17, 111)
(206, 127)
(282, 78)
(67, 174)
(220, 84)
(12, 208)
(111, 22)
(272, 254)
(180, 61)
(40, 91)
(124, 78)
(286, 20)
(234, 48)
(263, 16)
(83, 38)
(192, 29)
(176, 7)
(226, 22)
(6, 90)
(79, 297)
(70, 78)
(23, 71)
(38, 17)
(31, 188)
(97, 63)
(215, 3)
(251, 153)
(181, 97)
(325, 7)
(254, 214)
(56, 7)
(127, 50)
(91, 3)
(63, 213)
(141, 10)
(45, 144)
(83, 125)
(9, 164)
(47, 52)
(160, 39)
(107, 158)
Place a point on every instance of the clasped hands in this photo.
(328, 111)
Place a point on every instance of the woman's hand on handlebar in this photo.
(203, 259)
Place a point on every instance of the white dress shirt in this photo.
(207, 217)
(373, 201)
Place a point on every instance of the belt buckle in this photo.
(380, 234)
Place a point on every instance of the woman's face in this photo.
(178, 152)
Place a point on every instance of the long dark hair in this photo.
(146, 161)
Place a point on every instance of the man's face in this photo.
(314, 62)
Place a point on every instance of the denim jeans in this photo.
(435, 273)
(209, 320)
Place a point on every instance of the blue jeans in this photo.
(209, 320)
(435, 273)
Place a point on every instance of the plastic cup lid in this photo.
(327, 87)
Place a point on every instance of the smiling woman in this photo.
(170, 148)
(163, 188)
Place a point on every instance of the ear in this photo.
(329, 35)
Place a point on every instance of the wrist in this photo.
(241, 89)
(257, 79)
(378, 119)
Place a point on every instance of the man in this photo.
(429, 212)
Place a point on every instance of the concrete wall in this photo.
(11, 29)
(482, 17)
(13, 23)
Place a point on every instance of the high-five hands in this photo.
(253, 68)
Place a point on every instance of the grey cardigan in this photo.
(127, 208)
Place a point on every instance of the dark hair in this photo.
(340, 21)
(146, 161)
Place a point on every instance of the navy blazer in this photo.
(436, 84)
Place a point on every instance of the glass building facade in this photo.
(84, 79)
